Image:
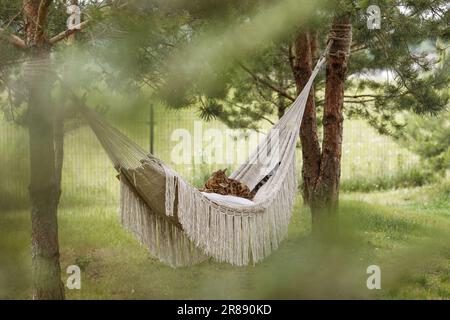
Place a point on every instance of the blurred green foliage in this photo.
(411, 177)
(429, 137)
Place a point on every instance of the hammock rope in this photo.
(179, 224)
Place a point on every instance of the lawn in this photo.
(403, 231)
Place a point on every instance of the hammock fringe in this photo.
(164, 240)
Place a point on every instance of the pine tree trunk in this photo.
(44, 192)
(303, 59)
(325, 198)
(44, 189)
(321, 168)
(281, 103)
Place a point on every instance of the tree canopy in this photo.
(232, 59)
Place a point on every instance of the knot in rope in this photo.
(341, 40)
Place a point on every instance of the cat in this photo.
(221, 184)
(265, 179)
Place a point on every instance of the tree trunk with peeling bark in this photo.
(321, 166)
(44, 188)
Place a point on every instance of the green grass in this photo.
(405, 232)
(411, 177)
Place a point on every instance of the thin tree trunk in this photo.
(302, 66)
(44, 190)
(281, 103)
(326, 194)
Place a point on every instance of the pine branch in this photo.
(266, 83)
(12, 39)
(63, 35)
(358, 101)
(16, 15)
(261, 116)
(362, 96)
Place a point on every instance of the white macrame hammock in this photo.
(180, 225)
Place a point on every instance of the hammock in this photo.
(179, 224)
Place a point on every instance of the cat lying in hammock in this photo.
(221, 184)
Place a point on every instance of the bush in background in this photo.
(414, 177)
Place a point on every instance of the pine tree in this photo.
(34, 47)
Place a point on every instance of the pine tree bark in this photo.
(305, 44)
(324, 200)
(321, 168)
(44, 189)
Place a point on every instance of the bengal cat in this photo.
(221, 184)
